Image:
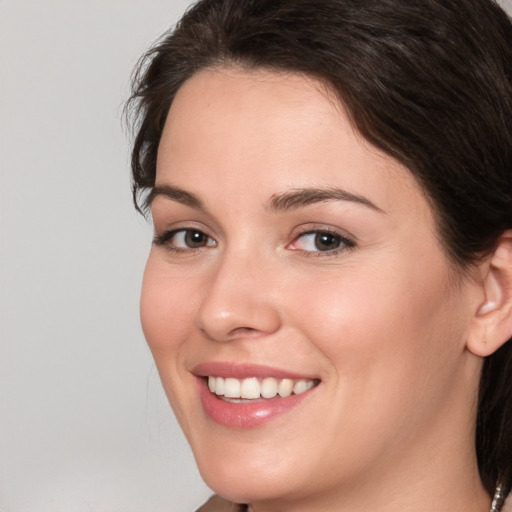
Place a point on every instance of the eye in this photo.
(181, 240)
(189, 239)
(321, 242)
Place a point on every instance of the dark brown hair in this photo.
(427, 81)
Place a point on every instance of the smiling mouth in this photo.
(253, 388)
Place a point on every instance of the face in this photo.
(292, 258)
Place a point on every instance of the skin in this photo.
(383, 324)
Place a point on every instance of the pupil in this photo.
(326, 242)
(195, 239)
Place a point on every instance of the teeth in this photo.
(285, 388)
(300, 386)
(269, 388)
(252, 388)
(231, 388)
(219, 385)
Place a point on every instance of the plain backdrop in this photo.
(84, 424)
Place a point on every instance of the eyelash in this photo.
(346, 243)
(164, 240)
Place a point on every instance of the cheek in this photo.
(166, 317)
(167, 320)
(384, 330)
(387, 338)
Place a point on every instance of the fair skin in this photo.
(349, 287)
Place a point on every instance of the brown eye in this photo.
(194, 239)
(319, 242)
(184, 240)
(326, 241)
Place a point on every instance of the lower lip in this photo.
(247, 414)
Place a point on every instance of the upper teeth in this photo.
(253, 387)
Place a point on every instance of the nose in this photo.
(240, 300)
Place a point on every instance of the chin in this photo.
(246, 489)
(247, 478)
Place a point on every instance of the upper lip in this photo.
(244, 370)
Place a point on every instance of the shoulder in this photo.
(217, 504)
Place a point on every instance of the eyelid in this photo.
(164, 238)
(165, 227)
(348, 242)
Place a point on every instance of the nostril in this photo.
(234, 334)
(245, 332)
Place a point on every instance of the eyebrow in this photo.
(298, 198)
(290, 200)
(175, 194)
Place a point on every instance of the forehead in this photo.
(269, 132)
(235, 102)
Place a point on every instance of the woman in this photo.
(328, 298)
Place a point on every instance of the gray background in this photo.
(84, 423)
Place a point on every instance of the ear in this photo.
(492, 320)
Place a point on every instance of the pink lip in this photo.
(243, 371)
(246, 414)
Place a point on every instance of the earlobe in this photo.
(492, 322)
